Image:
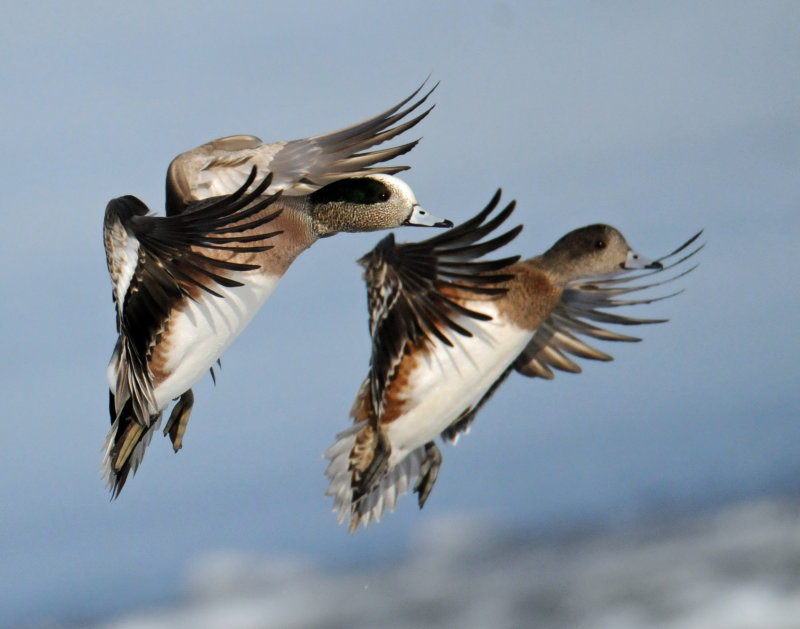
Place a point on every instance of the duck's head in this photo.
(361, 204)
(593, 251)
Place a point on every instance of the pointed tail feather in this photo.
(124, 448)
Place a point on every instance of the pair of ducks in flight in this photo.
(447, 324)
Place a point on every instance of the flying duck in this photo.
(447, 329)
(328, 183)
(186, 285)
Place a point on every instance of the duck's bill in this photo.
(637, 261)
(426, 219)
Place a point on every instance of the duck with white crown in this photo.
(185, 285)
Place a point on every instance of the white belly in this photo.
(454, 379)
(202, 330)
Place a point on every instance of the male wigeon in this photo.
(186, 285)
(442, 343)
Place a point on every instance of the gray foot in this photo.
(179, 419)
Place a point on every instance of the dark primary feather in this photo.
(212, 224)
(343, 145)
(405, 285)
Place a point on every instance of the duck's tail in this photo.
(125, 446)
(348, 459)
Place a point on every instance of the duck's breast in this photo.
(199, 331)
(435, 384)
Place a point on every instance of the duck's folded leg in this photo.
(428, 472)
(366, 481)
(179, 419)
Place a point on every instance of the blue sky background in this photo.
(659, 118)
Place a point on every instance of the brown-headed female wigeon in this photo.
(447, 330)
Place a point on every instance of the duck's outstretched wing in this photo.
(297, 166)
(586, 303)
(413, 289)
(154, 262)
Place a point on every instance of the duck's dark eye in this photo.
(599, 244)
(383, 196)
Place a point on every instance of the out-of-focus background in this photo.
(658, 490)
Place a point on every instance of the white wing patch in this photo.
(122, 252)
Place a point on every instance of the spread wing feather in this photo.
(298, 166)
(413, 289)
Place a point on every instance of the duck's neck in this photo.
(564, 268)
(557, 268)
